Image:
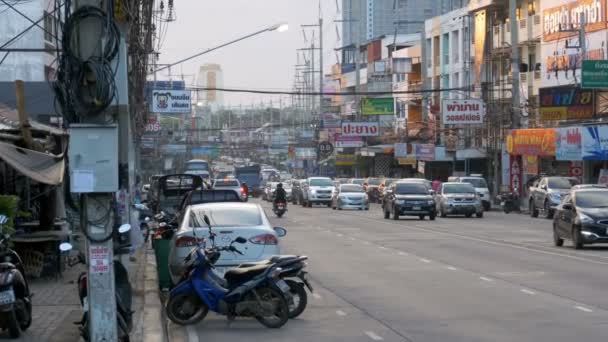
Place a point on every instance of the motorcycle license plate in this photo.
(284, 287)
(7, 297)
(85, 304)
(416, 208)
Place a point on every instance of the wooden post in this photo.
(23, 120)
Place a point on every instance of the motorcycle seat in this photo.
(273, 259)
(241, 275)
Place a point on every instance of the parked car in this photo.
(455, 198)
(317, 190)
(228, 221)
(409, 199)
(481, 187)
(546, 194)
(350, 196)
(426, 182)
(582, 217)
(358, 181)
(230, 184)
(296, 191)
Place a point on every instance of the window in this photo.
(49, 26)
(462, 188)
(411, 188)
(402, 3)
(446, 48)
(321, 182)
(428, 53)
(351, 188)
(226, 216)
(456, 46)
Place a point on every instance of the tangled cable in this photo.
(85, 84)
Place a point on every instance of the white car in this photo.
(230, 184)
(229, 220)
(318, 190)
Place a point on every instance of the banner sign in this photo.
(595, 143)
(463, 112)
(400, 150)
(411, 161)
(378, 106)
(515, 173)
(360, 129)
(152, 126)
(568, 143)
(345, 159)
(568, 16)
(171, 101)
(531, 142)
(425, 152)
(530, 165)
(204, 152)
(594, 74)
(565, 103)
(346, 142)
(330, 120)
(174, 149)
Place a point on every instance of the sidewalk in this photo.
(56, 305)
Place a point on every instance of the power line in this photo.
(317, 93)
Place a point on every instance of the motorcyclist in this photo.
(245, 189)
(280, 195)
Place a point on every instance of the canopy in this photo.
(41, 167)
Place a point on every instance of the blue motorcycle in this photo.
(257, 291)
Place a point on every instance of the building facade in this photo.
(210, 76)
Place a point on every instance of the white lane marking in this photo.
(316, 296)
(373, 336)
(582, 308)
(382, 247)
(452, 268)
(526, 291)
(486, 279)
(339, 235)
(340, 313)
(192, 335)
(402, 253)
(366, 242)
(352, 239)
(425, 260)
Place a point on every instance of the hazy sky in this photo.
(265, 61)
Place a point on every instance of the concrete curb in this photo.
(154, 320)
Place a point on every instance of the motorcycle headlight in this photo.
(584, 219)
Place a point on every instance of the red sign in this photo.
(515, 172)
(152, 126)
(99, 259)
(531, 142)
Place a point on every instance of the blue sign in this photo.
(595, 143)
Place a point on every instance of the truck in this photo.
(251, 176)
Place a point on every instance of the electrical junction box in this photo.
(93, 158)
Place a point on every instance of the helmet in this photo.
(280, 185)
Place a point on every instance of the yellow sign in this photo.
(345, 159)
(407, 161)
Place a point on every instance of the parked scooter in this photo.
(509, 201)
(145, 221)
(15, 296)
(279, 209)
(122, 288)
(251, 292)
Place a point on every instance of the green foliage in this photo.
(8, 207)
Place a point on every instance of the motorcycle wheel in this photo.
(186, 309)
(279, 214)
(14, 330)
(25, 316)
(300, 298)
(281, 314)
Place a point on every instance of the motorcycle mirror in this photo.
(66, 246)
(240, 239)
(3, 219)
(124, 228)
(280, 231)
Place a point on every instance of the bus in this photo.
(199, 167)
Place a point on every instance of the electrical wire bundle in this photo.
(85, 84)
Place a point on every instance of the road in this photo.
(498, 278)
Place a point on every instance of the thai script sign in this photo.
(171, 101)
(568, 143)
(565, 103)
(531, 142)
(360, 129)
(569, 17)
(463, 112)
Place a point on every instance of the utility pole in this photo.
(515, 103)
(320, 64)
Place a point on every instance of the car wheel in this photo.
(577, 240)
(366, 208)
(333, 207)
(421, 217)
(468, 215)
(533, 209)
(432, 217)
(548, 212)
(395, 215)
(387, 214)
(557, 240)
(479, 215)
(309, 204)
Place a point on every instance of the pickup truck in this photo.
(546, 194)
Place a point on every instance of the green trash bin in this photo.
(161, 250)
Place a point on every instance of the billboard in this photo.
(425, 152)
(171, 101)
(360, 129)
(378, 106)
(568, 143)
(463, 112)
(346, 142)
(595, 143)
(531, 142)
(565, 103)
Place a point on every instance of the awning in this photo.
(41, 167)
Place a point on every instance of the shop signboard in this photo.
(411, 161)
(576, 170)
(330, 120)
(205, 152)
(565, 103)
(463, 112)
(360, 129)
(568, 143)
(347, 142)
(595, 143)
(530, 165)
(378, 106)
(400, 150)
(345, 159)
(306, 153)
(595, 74)
(425, 152)
(171, 101)
(531, 142)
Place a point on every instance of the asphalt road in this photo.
(498, 278)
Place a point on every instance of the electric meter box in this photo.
(93, 158)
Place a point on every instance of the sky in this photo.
(265, 61)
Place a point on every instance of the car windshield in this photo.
(198, 166)
(358, 181)
(411, 189)
(560, 183)
(226, 183)
(463, 188)
(321, 182)
(351, 188)
(373, 181)
(228, 216)
(592, 199)
(476, 182)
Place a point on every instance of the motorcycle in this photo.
(145, 222)
(15, 296)
(279, 209)
(249, 292)
(509, 201)
(122, 288)
(288, 273)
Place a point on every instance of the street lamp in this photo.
(281, 27)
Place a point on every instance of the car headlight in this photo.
(584, 219)
(399, 201)
(430, 202)
(313, 191)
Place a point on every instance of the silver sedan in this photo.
(350, 196)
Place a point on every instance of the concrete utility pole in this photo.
(320, 64)
(515, 102)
